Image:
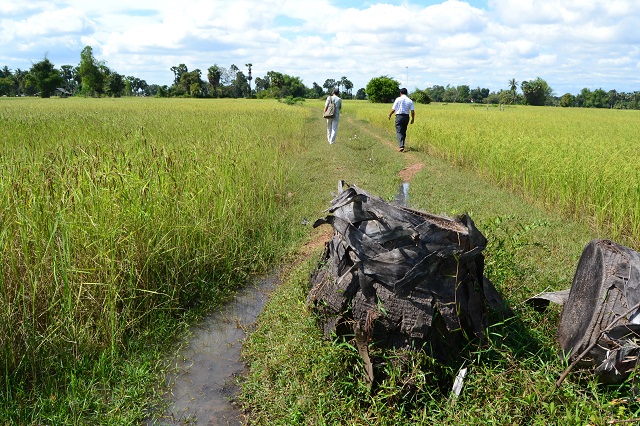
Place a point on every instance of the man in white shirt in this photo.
(403, 107)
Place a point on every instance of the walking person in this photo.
(403, 107)
(332, 122)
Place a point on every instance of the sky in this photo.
(571, 44)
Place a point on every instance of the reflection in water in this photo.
(402, 197)
(207, 366)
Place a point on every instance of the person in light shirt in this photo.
(332, 123)
(403, 108)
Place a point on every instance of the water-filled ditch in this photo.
(203, 385)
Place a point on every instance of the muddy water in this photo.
(204, 385)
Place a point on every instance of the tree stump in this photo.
(402, 278)
(600, 320)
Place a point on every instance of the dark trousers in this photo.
(402, 121)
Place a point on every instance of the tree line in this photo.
(534, 92)
(92, 77)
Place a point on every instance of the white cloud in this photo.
(450, 17)
(445, 42)
(52, 23)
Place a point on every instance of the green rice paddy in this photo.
(122, 221)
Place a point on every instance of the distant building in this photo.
(63, 93)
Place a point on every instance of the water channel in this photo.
(203, 385)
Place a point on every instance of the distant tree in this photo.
(68, 74)
(240, 85)
(382, 89)
(135, 85)
(5, 72)
(513, 87)
(45, 77)
(464, 93)
(599, 99)
(346, 84)
(450, 94)
(6, 86)
(293, 86)
(228, 78)
(20, 81)
(420, 96)
(505, 97)
(142, 86)
(348, 87)
(612, 95)
(177, 73)
(567, 100)
(276, 79)
(536, 92)
(316, 91)
(6, 81)
(191, 83)
(634, 100)
(163, 92)
(115, 85)
(436, 93)
(361, 94)
(478, 95)
(329, 85)
(249, 77)
(262, 84)
(278, 85)
(92, 79)
(214, 74)
(494, 98)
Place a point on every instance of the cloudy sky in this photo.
(572, 44)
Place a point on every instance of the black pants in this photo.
(402, 121)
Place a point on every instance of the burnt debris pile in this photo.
(401, 278)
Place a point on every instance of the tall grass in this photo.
(583, 162)
(116, 215)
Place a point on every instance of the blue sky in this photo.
(572, 44)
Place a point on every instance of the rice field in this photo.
(121, 220)
(119, 215)
(583, 162)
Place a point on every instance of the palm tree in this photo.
(513, 86)
(249, 78)
(348, 85)
(344, 82)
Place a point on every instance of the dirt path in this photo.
(323, 234)
(203, 384)
(413, 164)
